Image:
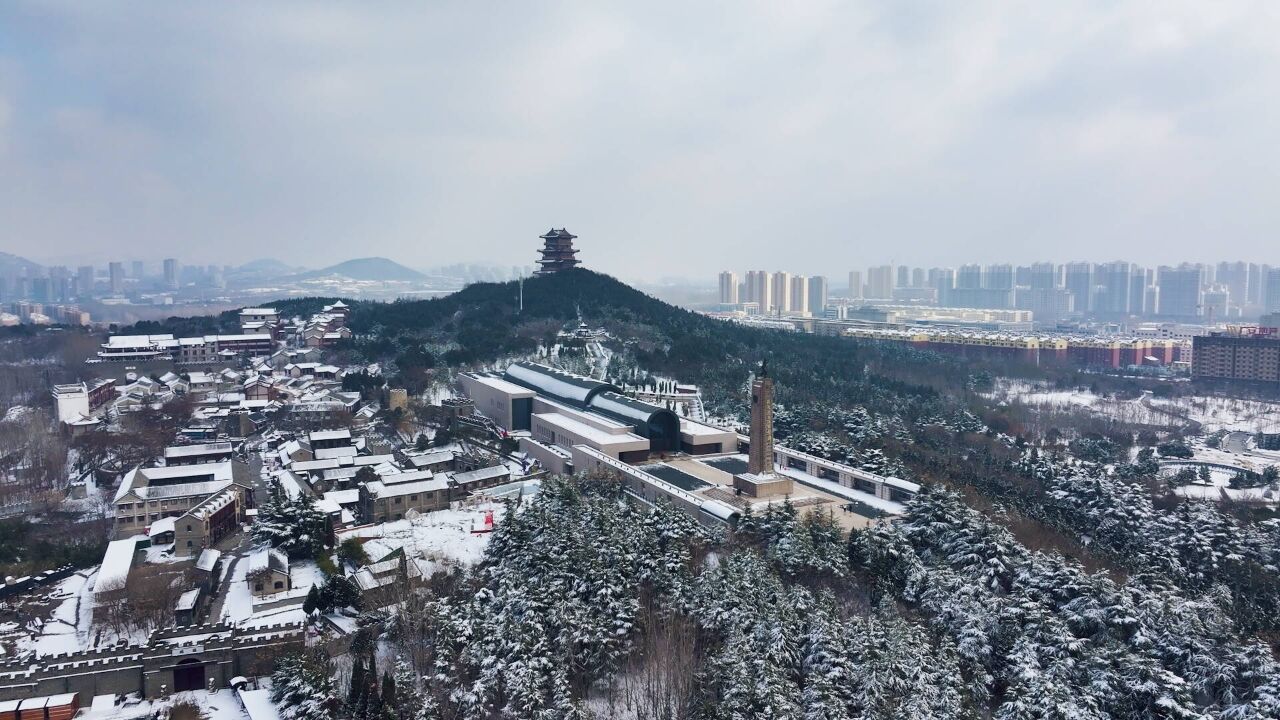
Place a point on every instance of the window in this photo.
(257, 586)
(188, 530)
(399, 500)
(279, 585)
(413, 497)
(188, 543)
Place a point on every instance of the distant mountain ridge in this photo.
(370, 268)
(11, 264)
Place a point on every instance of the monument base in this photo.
(762, 484)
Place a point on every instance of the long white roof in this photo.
(116, 563)
(379, 490)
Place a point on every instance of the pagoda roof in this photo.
(554, 234)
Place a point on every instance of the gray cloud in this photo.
(674, 139)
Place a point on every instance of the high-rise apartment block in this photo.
(855, 284)
(1078, 278)
(1180, 290)
(998, 277)
(818, 292)
(969, 277)
(1044, 276)
(84, 281)
(1234, 277)
(171, 273)
(759, 287)
(880, 282)
(781, 293)
(1112, 288)
(799, 304)
(728, 288)
(115, 272)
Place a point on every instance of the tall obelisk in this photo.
(761, 459)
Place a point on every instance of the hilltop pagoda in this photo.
(557, 253)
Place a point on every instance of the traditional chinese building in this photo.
(557, 252)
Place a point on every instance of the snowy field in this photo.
(61, 618)
(1214, 413)
(443, 538)
(1248, 458)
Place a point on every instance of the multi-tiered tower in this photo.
(557, 252)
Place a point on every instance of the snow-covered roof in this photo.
(116, 563)
(509, 388)
(313, 465)
(290, 483)
(268, 558)
(258, 705)
(557, 383)
(181, 490)
(182, 451)
(588, 432)
(223, 470)
(137, 341)
(208, 559)
(187, 601)
(371, 459)
(380, 491)
(330, 435)
(160, 527)
(134, 481)
(343, 497)
(341, 473)
(489, 473)
(621, 406)
(404, 477)
(431, 458)
(327, 453)
(212, 504)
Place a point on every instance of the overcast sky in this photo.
(675, 139)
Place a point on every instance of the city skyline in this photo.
(1217, 292)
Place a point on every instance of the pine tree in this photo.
(302, 689)
(356, 690)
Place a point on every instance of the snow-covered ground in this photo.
(444, 537)
(1214, 413)
(1217, 413)
(67, 628)
(1249, 459)
(239, 603)
(241, 607)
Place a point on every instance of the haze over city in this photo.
(667, 137)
